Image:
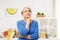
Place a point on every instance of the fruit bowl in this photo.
(8, 34)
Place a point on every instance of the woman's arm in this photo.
(22, 28)
(20, 36)
(28, 21)
(35, 35)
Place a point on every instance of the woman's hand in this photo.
(28, 21)
(16, 34)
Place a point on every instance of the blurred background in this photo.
(47, 23)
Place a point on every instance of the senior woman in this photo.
(27, 28)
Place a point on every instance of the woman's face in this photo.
(26, 13)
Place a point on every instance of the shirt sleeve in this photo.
(21, 29)
(35, 35)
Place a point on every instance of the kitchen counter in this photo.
(38, 39)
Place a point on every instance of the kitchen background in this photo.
(47, 24)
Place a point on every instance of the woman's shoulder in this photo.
(19, 21)
(34, 21)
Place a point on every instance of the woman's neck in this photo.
(25, 20)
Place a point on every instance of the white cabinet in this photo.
(48, 26)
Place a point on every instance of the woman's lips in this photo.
(27, 17)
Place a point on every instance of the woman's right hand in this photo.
(28, 20)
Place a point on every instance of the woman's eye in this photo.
(25, 11)
(29, 10)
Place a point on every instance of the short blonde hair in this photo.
(24, 8)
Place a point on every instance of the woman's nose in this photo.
(28, 13)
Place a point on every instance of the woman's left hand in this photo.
(16, 34)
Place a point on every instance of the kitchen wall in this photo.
(58, 17)
(8, 21)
